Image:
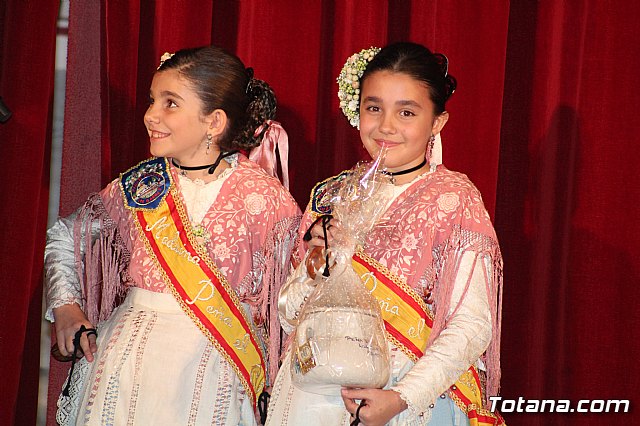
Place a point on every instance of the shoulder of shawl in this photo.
(451, 181)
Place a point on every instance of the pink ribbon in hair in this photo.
(274, 138)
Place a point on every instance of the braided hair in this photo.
(221, 81)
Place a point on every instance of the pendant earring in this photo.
(432, 142)
(209, 139)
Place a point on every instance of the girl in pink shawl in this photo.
(435, 241)
(152, 278)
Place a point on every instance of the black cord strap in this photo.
(190, 168)
(76, 348)
(263, 404)
(220, 157)
(325, 220)
(357, 420)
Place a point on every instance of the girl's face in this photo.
(396, 112)
(174, 120)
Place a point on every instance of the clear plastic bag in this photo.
(340, 338)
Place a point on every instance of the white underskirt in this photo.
(154, 366)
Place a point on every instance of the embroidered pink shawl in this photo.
(422, 237)
(253, 226)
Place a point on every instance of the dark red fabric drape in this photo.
(299, 51)
(567, 206)
(27, 46)
(543, 122)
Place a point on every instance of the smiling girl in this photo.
(159, 284)
(434, 250)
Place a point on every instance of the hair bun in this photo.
(451, 84)
(261, 107)
(450, 81)
(443, 62)
(250, 83)
(263, 94)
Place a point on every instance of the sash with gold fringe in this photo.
(199, 287)
(408, 322)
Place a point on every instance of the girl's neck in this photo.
(207, 170)
(406, 174)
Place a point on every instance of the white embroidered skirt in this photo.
(154, 366)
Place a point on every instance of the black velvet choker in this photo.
(190, 168)
(211, 167)
(404, 172)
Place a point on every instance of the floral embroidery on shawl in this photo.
(422, 237)
(253, 226)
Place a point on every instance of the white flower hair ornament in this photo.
(165, 57)
(349, 83)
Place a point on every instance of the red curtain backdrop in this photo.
(543, 122)
(299, 51)
(567, 214)
(27, 47)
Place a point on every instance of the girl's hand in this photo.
(317, 233)
(68, 319)
(378, 408)
(316, 258)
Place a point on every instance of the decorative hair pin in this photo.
(349, 83)
(165, 57)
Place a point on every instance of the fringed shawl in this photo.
(253, 227)
(422, 237)
(103, 268)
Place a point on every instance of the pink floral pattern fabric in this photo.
(423, 218)
(421, 238)
(242, 217)
(420, 220)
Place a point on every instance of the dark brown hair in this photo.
(419, 63)
(221, 81)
